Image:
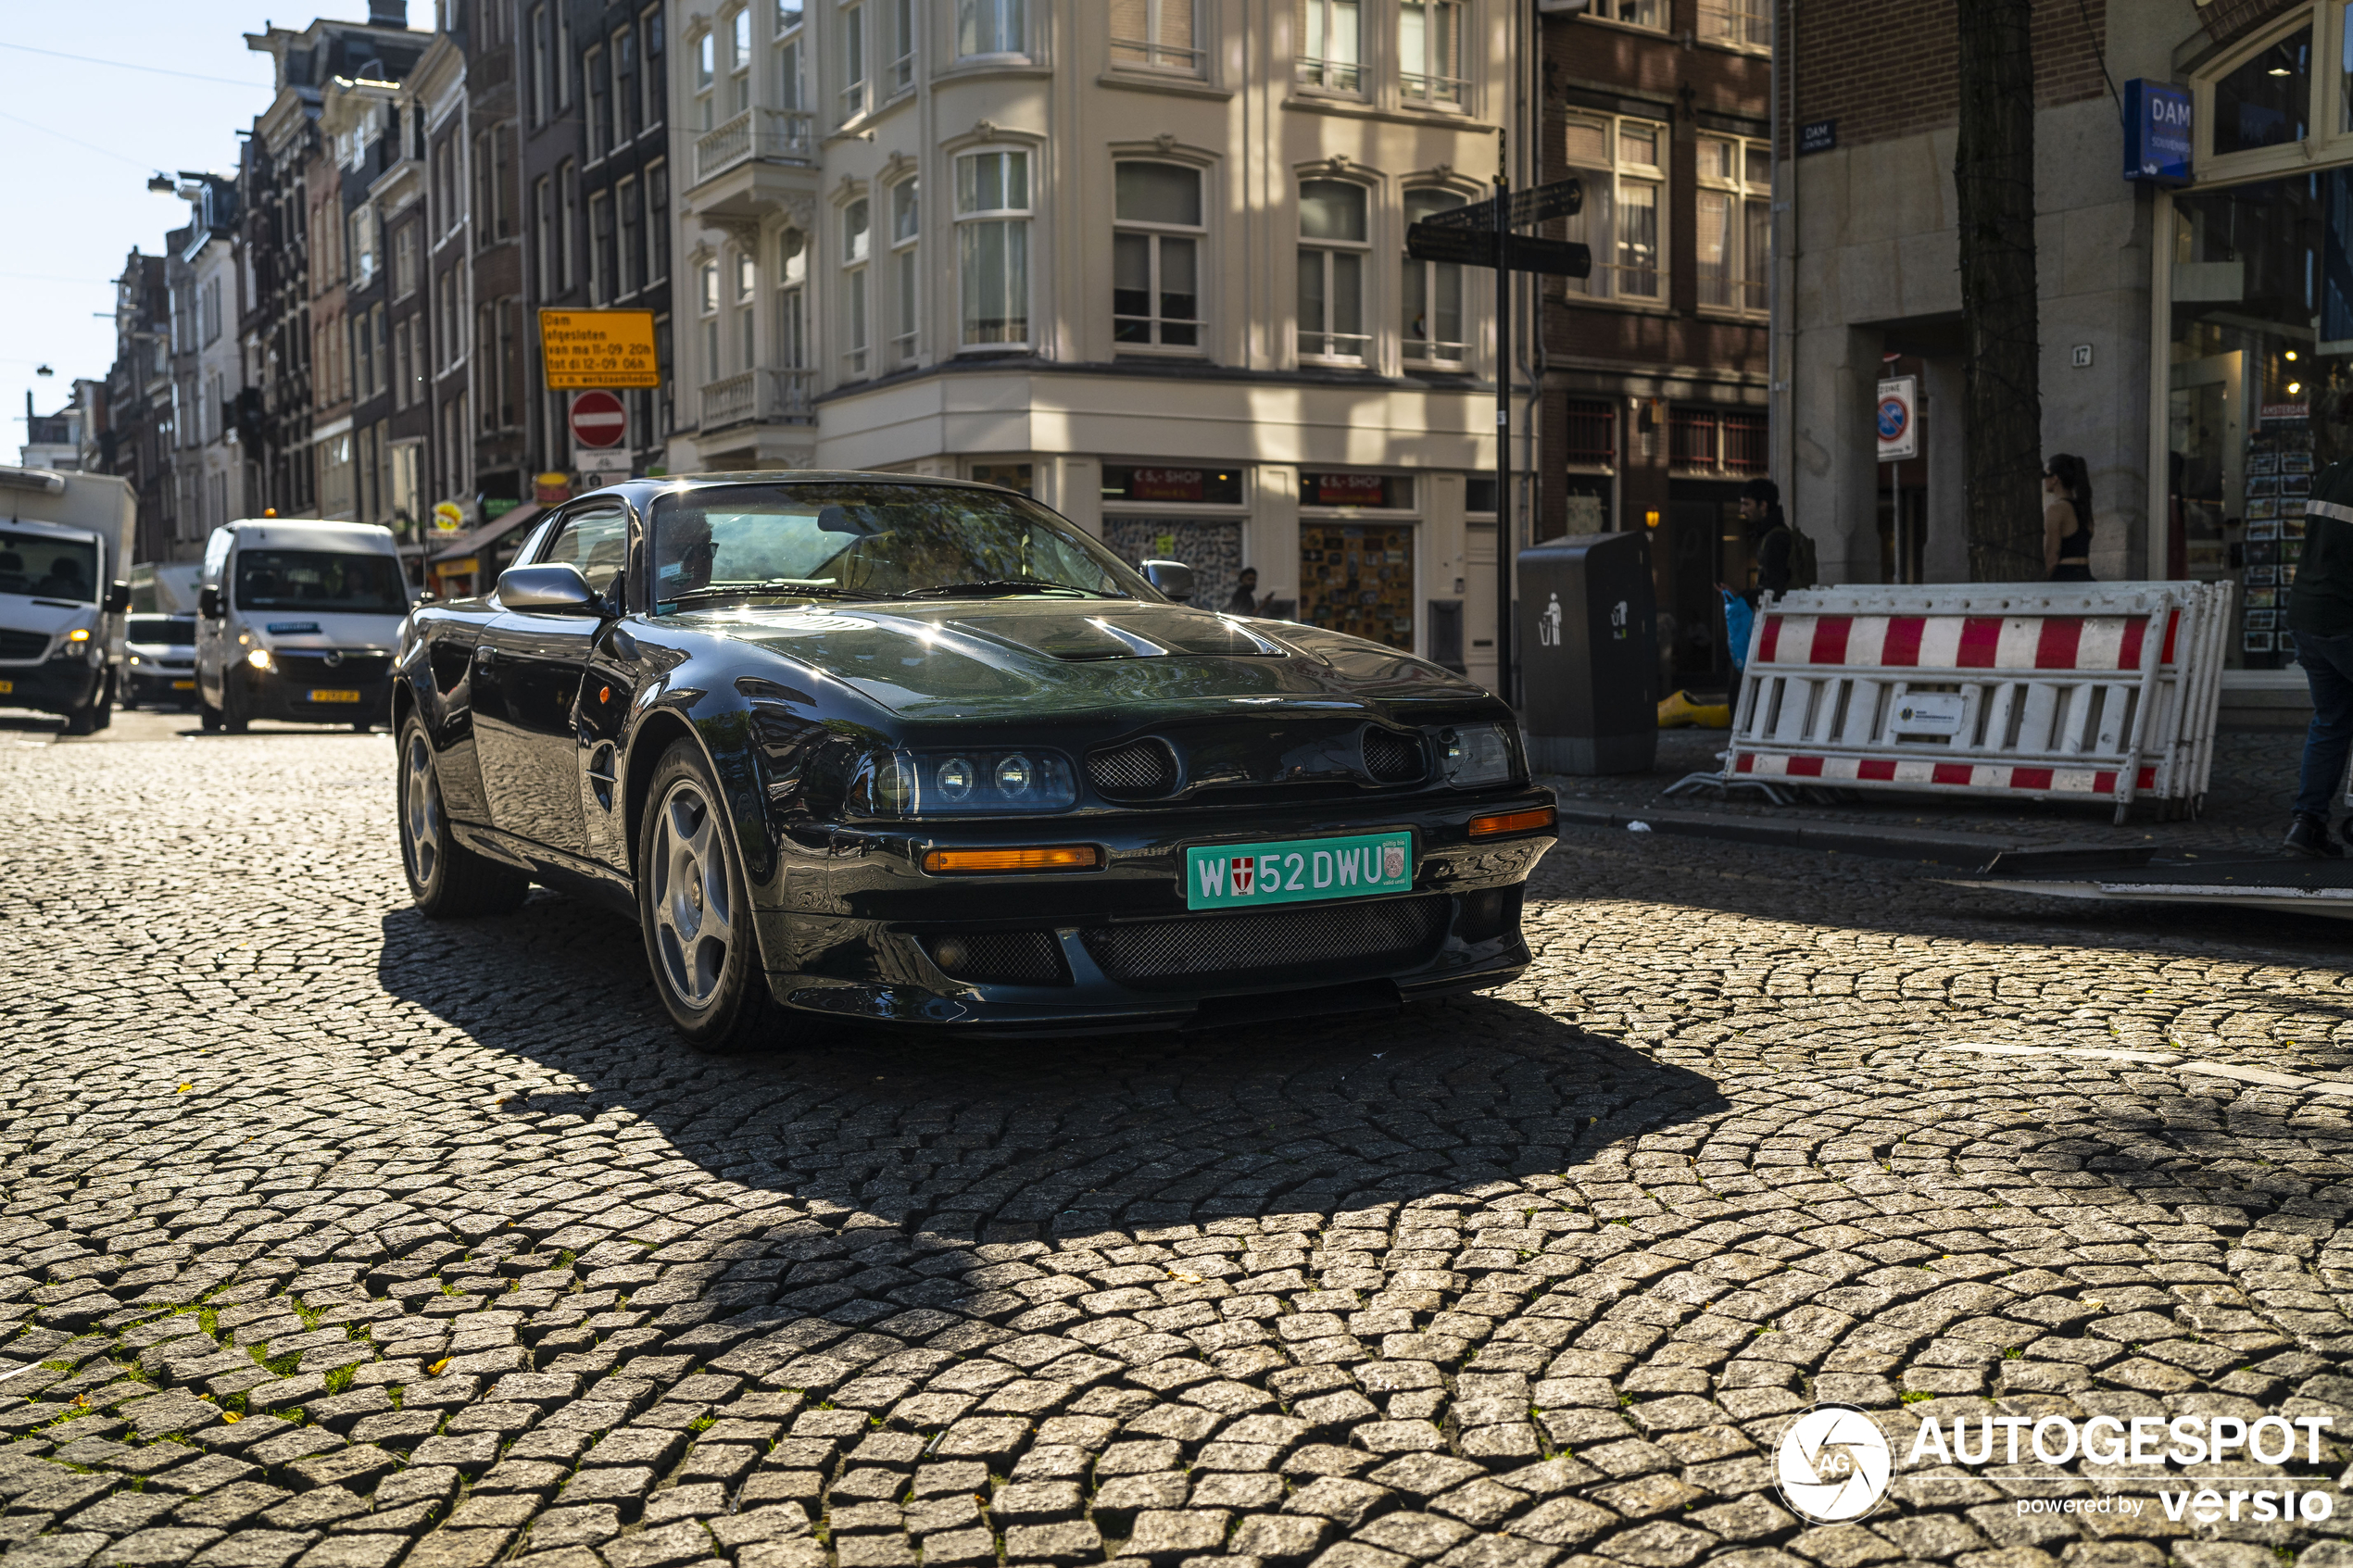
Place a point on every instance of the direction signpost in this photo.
(1469, 236)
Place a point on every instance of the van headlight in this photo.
(259, 659)
(79, 635)
(1475, 755)
(979, 781)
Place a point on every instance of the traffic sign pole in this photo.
(1503, 535)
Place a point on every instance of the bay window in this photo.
(992, 246)
(856, 246)
(906, 275)
(1156, 35)
(991, 27)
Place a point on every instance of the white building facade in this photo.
(1142, 258)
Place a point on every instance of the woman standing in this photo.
(2067, 519)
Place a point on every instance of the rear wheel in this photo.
(448, 880)
(696, 912)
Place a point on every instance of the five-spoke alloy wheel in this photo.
(697, 914)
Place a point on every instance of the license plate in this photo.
(184, 685)
(1291, 871)
(7, 687)
(326, 694)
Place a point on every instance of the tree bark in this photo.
(1994, 177)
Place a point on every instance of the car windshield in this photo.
(340, 581)
(872, 541)
(49, 568)
(174, 630)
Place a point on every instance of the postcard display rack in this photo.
(2278, 480)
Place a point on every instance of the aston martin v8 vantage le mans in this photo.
(920, 751)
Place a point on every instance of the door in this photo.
(529, 735)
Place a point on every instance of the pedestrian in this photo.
(1245, 599)
(2320, 614)
(2067, 519)
(1770, 540)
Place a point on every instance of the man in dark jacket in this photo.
(1769, 533)
(2320, 611)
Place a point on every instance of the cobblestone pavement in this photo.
(338, 1239)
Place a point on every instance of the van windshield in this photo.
(321, 580)
(172, 631)
(49, 568)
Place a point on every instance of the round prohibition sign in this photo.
(598, 420)
(1895, 419)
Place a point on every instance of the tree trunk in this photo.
(1993, 176)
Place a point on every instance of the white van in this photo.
(297, 619)
(63, 537)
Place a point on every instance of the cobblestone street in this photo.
(340, 1239)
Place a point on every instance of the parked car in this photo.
(297, 619)
(162, 666)
(918, 751)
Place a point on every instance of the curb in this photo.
(1971, 850)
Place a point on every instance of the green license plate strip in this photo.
(1295, 870)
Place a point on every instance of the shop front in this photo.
(1197, 513)
(1357, 536)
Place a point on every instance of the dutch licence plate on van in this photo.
(1290, 870)
(7, 688)
(323, 693)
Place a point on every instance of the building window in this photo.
(792, 90)
(1633, 13)
(706, 49)
(363, 246)
(626, 103)
(567, 224)
(1746, 22)
(1430, 51)
(1155, 266)
(792, 300)
(739, 61)
(899, 75)
(1717, 443)
(1331, 270)
(746, 316)
(632, 269)
(856, 246)
(992, 27)
(1430, 304)
(599, 104)
(707, 302)
(853, 63)
(652, 20)
(543, 96)
(1620, 162)
(1734, 214)
(658, 221)
(404, 278)
(1332, 53)
(2267, 101)
(906, 275)
(787, 15)
(992, 245)
(599, 248)
(542, 224)
(1156, 35)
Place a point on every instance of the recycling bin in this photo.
(1589, 655)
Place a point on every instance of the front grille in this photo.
(310, 668)
(1331, 941)
(1142, 769)
(1391, 757)
(999, 958)
(23, 644)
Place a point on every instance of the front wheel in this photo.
(448, 880)
(207, 717)
(693, 906)
(93, 716)
(235, 718)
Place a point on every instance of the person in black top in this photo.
(2320, 613)
(2067, 519)
(1768, 537)
(1245, 599)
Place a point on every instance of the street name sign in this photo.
(1471, 247)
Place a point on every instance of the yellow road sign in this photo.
(598, 349)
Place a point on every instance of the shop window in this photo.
(1620, 163)
(1358, 578)
(1331, 270)
(1011, 476)
(1139, 482)
(1430, 303)
(1380, 490)
(1155, 256)
(2266, 102)
(1213, 547)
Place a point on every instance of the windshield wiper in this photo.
(782, 586)
(1005, 585)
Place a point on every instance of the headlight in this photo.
(947, 784)
(259, 659)
(1475, 755)
(79, 635)
(137, 659)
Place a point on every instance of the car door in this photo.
(534, 660)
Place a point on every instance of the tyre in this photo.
(696, 910)
(82, 721)
(359, 725)
(106, 705)
(234, 718)
(207, 717)
(448, 880)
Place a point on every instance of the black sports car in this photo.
(920, 751)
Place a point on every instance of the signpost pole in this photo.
(1504, 535)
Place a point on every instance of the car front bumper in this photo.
(272, 695)
(1116, 949)
(55, 685)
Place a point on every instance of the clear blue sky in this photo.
(78, 141)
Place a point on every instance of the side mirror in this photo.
(208, 602)
(558, 589)
(117, 598)
(1173, 578)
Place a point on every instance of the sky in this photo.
(80, 137)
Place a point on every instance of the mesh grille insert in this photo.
(1392, 757)
(1328, 940)
(999, 958)
(23, 644)
(1138, 770)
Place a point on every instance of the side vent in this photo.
(1391, 757)
(1142, 770)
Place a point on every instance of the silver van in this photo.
(297, 619)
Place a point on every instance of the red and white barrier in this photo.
(2042, 690)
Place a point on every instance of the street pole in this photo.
(1503, 535)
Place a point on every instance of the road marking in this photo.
(2264, 1076)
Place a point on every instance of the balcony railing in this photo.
(775, 135)
(762, 396)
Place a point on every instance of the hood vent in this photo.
(1142, 769)
(1391, 757)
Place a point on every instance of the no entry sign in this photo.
(598, 420)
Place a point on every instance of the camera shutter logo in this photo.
(1833, 1464)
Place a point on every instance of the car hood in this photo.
(1016, 658)
(297, 632)
(19, 612)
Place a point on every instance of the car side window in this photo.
(596, 542)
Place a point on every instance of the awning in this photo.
(472, 541)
